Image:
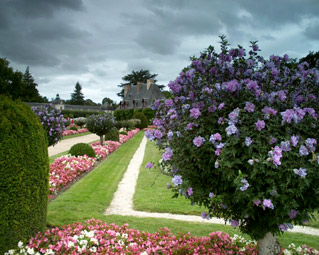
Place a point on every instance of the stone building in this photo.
(141, 95)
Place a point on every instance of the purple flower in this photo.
(311, 144)
(174, 86)
(310, 111)
(293, 213)
(250, 107)
(268, 204)
(216, 165)
(277, 154)
(211, 195)
(167, 154)
(221, 106)
(195, 113)
(285, 146)
(257, 202)
(248, 141)
(283, 227)
(282, 95)
(215, 137)
(241, 52)
(234, 223)
(233, 116)
(189, 192)
(158, 134)
(302, 172)
(198, 141)
(294, 140)
(231, 130)
(298, 115)
(260, 124)
(149, 134)
(269, 111)
(170, 135)
(303, 151)
(169, 102)
(220, 120)
(177, 180)
(205, 216)
(287, 116)
(149, 165)
(246, 185)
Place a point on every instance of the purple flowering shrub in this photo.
(242, 133)
(52, 121)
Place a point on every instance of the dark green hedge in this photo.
(112, 135)
(128, 114)
(81, 149)
(142, 117)
(76, 114)
(24, 171)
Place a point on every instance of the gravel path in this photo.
(65, 145)
(122, 203)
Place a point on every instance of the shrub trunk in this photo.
(101, 139)
(268, 245)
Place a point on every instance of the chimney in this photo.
(139, 85)
(127, 87)
(149, 83)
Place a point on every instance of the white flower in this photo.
(94, 240)
(124, 235)
(49, 252)
(121, 243)
(20, 244)
(70, 244)
(84, 242)
(251, 162)
(144, 253)
(93, 249)
(287, 252)
(30, 251)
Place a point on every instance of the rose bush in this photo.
(241, 132)
(52, 121)
(73, 132)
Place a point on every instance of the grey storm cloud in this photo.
(98, 42)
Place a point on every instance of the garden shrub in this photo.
(52, 121)
(240, 137)
(73, 128)
(100, 124)
(123, 133)
(112, 135)
(149, 113)
(123, 114)
(142, 117)
(80, 121)
(81, 149)
(24, 171)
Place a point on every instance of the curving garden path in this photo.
(122, 203)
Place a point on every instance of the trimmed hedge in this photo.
(24, 171)
(142, 117)
(112, 135)
(77, 114)
(129, 113)
(81, 149)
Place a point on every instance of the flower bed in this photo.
(66, 169)
(96, 237)
(73, 132)
(99, 238)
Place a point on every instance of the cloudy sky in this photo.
(97, 42)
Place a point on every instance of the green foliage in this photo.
(73, 128)
(312, 59)
(144, 121)
(123, 133)
(24, 171)
(149, 113)
(80, 121)
(112, 135)
(77, 97)
(77, 114)
(18, 85)
(123, 114)
(81, 149)
(100, 124)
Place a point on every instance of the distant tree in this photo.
(18, 85)
(90, 102)
(312, 59)
(167, 94)
(107, 100)
(135, 77)
(77, 97)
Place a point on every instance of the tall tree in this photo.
(135, 77)
(77, 97)
(312, 59)
(31, 94)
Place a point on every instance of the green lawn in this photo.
(151, 194)
(89, 198)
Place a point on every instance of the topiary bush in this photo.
(73, 128)
(112, 135)
(81, 149)
(100, 124)
(123, 133)
(24, 171)
(80, 121)
(142, 117)
(240, 138)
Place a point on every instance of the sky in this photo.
(97, 42)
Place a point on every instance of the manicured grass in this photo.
(75, 135)
(89, 198)
(151, 194)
